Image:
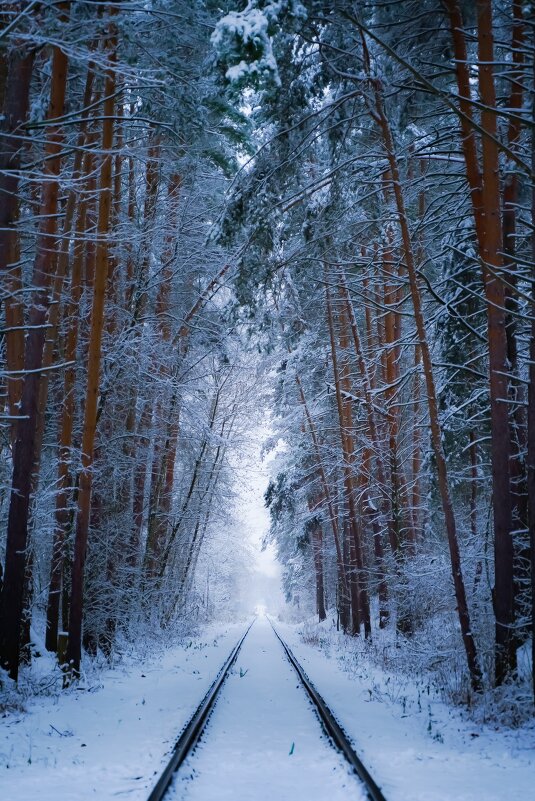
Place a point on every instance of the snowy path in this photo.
(244, 753)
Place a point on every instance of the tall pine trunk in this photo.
(485, 196)
(18, 67)
(359, 602)
(531, 394)
(434, 418)
(74, 648)
(25, 450)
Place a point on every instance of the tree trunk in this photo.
(74, 649)
(62, 511)
(485, 196)
(62, 264)
(531, 397)
(19, 68)
(25, 453)
(316, 541)
(434, 418)
(333, 518)
(345, 421)
(491, 246)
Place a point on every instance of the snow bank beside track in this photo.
(109, 742)
(430, 753)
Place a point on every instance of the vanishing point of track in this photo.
(191, 733)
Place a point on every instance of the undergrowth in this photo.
(424, 669)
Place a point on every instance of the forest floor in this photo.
(109, 739)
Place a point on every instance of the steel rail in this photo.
(195, 727)
(331, 726)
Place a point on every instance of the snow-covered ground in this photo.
(108, 741)
(428, 752)
(263, 740)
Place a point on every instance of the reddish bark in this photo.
(62, 264)
(62, 510)
(373, 432)
(333, 517)
(434, 418)
(485, 195)
(74, 648)
(18, 66)
(26, 444)
(490, 248)
(360, 602)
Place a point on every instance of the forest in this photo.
(305, 222)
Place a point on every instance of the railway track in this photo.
(331, 726)
(192, 732)
(195, 727)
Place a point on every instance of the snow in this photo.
(243, 30)
(112, 740)
(457, 761)
(264, 741)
